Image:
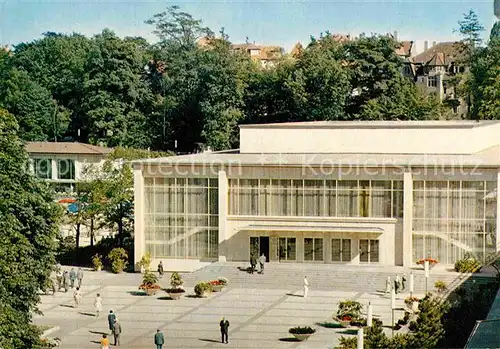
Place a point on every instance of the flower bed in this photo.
(432, 261)
(203, 289)
(302, 333)
(149, 283)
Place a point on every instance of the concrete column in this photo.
(498, 213)
(327, 248)
(53, 163)
(78, 169)
(223, 211)
(355, 251)
(299, 246)
(139, 238)
(408, 219)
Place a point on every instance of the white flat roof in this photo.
(378, 124)
(326, 159)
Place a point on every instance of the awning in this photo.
(270, 227)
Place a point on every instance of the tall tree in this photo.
(319, 84)
(57, 63)
(113, 92)
(176, 28)
(470, 29)
(428, 328)
(483, 83)
(40, 118)
(28, 228)
(375, 70)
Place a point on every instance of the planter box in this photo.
(345, 323)
(217, 288)
(302, 337)
(175, 295)
(151, 291)
(414, 306)
(204, 294)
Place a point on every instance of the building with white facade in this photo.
(62, 163)
(386, 193)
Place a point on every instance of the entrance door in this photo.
(259, 245)
(369, 251)
(341, 250)
(264, 247)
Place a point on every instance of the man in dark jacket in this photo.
(111, 320)
(224, 328)
(117, 330)
(253, 263)
(159, 339)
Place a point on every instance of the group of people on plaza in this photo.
(253, 263)
(115, 328)
(398, 285)
(65, 280)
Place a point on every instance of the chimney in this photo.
(396, 35)
(433, 43)
(426, 45)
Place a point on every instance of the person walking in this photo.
(306, 287)
(117, 330)
(397, 283)
(79, 276)
(388, 286)
(53, 283)
(224, 328)
(111, 320)
(160, 269)
(98, 305)
(104, 342)
(253, 263)
(65, 279)
(159, 339)
(262, 261)
(59, 276)
(77, 296)
(403, 282)
(72, 277)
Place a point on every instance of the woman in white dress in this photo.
(98, 305)
(77, 296)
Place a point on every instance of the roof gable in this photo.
(66, 148)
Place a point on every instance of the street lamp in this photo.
(393, 307)
(426, 270)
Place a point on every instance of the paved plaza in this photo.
(260, 308)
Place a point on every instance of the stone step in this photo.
(321, 277)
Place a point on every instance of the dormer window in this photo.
(254, 52)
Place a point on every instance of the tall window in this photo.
(43, 168)
(314, 198)
(452, 218)
(313, 249)
(181, 217)
(432, 81)
(66, 169)
(287, 249)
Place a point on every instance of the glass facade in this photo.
(313, 249)
(43, 168)
(452, 218)
(181, 217)
(66, 169)
(329, 198)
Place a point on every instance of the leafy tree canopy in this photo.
(28, 227)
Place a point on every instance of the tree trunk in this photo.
(92, 232)
(77, 241)
(120, 232)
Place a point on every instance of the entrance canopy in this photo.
(318, 228)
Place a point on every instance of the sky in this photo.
(267, 22)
